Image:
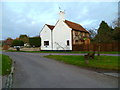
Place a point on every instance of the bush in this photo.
(17, 43)
(35, 41)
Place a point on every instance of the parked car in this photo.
(18, 46)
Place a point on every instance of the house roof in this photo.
(50, 26)
(75, 26)
(72, 25)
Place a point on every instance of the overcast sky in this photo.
(29, 17)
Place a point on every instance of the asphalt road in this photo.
(0, 82)
(35, 71)
(0, 75)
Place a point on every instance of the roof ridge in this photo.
(73, 22)
(49, 25)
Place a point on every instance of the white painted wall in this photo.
(45, 35)
(62, 33)
(62, 15)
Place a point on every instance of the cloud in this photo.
(29, 17)
(88, 22)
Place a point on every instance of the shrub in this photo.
(17, 43)
(35, 41)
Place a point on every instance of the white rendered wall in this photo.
(62, 33)
(45, 35)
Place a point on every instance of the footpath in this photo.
(74, 54)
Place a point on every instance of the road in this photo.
(0, 75)
(0, 82)
(35, 71)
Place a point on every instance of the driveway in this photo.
(35, 71)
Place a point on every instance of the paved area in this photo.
(112, 74)
(4, 79)
(0, 76)
(0, 82)
(35, 71)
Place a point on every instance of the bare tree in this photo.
(93, 33)
(116, 23)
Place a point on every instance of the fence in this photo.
(95, 46)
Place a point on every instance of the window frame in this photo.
(46, 43)
(68, 43)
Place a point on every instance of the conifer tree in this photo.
(104, 33)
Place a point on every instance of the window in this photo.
(68, 43)
(76, 33)
(83, 34)
(46, 43)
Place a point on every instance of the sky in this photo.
(29, 17)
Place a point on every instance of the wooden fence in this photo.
(95, 46)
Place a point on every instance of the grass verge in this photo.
(102, 62)
(6, 64)
(74, 52)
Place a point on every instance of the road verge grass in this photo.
(102, 62)
(6, 64)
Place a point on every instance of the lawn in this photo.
(102, 62)
(74, 52)
(6, 64)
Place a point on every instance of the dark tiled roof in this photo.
(50, 26)
(75, 26)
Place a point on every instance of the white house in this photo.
(64, 35)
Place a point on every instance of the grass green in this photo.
(5, 64)
(102, 62)
(74, 52)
